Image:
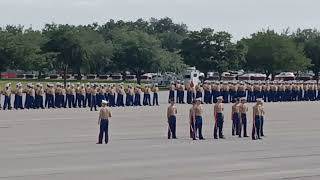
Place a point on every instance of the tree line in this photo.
(156, 45)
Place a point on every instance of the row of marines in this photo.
(239, 119)
(270, 91)
(78, 95)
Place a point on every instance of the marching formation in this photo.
(239, 119)
(77, 95)
(269, 91)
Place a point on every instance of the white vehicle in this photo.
(226, 76)
(213, 76)
(191, 75)
(253, 77)
(285, 76)
(146, 77)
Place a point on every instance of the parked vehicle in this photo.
(213, 76)
(226, 76)
(252, 77)
(285, 76)
(116, 77)
(191, 75)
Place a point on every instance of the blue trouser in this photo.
(206, 97)
(39, 102)
(214, 95)
(111, 98)
(18, 102)
(181, 99)
(218, 126)
(225, 95)
(87, 100)
(172, 127)
(178, 96)
(80, 100)
(235, 124)
(198, 127)
(232, 96)
(104, 125)
(137, 99)
(7, 102)
(261, 127)
(189, 97)
(243, 124)
(29, 103)
(26, 102)
(50, 101)
(155, 99)
(129, 100)
(32, 102)
(250, 97)
(93, 102)
(146, 99)
(241, 94)
(256, 129)
(198, 94)
(36, 102)
(57, 100)
(120, 100)
(100, 97)
(70, 100)
(264, 95)
(46, 101)
(171, 95)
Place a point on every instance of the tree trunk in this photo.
(65, 75)
(124, 75)
(39, 75)
(79, 74)
(138, 74)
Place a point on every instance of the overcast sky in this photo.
(239, 17)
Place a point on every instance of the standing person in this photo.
(235, 114)
(171, 92)
(258, 112)
(171, 116)
(192, 121)
(40, 97)
(94, 98)
(87, 100)
(104, 117)
(197, 116)
(7, 97)
(18, 96)
(155, 91)
(218, 114)
(243, 117)
(189, 93)
(82, 95)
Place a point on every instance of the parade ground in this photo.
(59, 144)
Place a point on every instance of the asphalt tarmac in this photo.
(59, 144)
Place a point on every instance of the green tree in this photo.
(140, 53)
(309, 39)
(63, 40)
(270, 52)
(209, 51)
